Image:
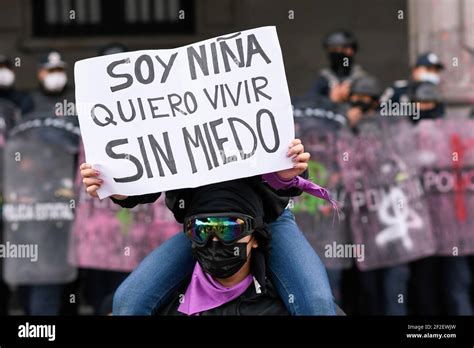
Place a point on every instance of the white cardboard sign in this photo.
(159, 120)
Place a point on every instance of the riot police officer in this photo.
(363, 100)
(334, 82)
(7, 86)
(427, 69)
(428, 98)
(53, 93)
(51, 99)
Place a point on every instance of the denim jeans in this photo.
(385, 290)
(425, 297)
(296, 271)
(457, 282)
(442, 286)
(4, 297)
(43, 299)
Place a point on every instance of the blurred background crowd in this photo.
(383, 96)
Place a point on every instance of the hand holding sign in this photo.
(160, 120)
(92, 182)
(300, 160)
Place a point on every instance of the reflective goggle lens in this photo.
(227, 229)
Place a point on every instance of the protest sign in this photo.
(388, 212)
(38, 211)
(108, 237)
(446, 154)
(212, 111)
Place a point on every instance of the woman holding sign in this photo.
(295, 270)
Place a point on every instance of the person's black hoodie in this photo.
(227, 196)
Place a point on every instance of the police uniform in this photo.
(341, 69)
(327, 79)
(397, 93)
(402, 91)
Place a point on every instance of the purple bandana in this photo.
(303, 184)
(298, 182)
(204, 292)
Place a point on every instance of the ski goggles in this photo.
(227, 227)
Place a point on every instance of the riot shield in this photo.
(388, 212)
(318, 127)
(446, 151)
(9, 115)
(108, 237)
(39, 169)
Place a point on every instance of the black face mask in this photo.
(219, 260)
(340, 63)
(363, 106)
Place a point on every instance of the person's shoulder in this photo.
(401, 84)
(23, 93)
(358, 71)
(254, 301)
(326, 74)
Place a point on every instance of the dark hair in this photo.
(263, 237)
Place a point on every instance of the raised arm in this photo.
(92, 182)
(132, 201)
(293, 181)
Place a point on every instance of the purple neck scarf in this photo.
(204, 292)
(301, 183)
(298, 182)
